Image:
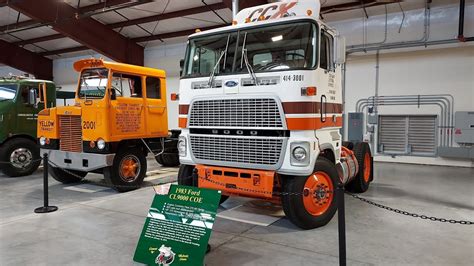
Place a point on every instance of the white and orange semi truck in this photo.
(260, 107)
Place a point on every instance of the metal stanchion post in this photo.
(46, 208)
(341, 222)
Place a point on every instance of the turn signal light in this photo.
(197, 30)
(309, 12)
(174, 96)
(309, 91)
(234, 22)
(92, 144)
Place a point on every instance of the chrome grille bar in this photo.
(240, 113)
(242, 151)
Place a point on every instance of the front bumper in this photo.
(79, 161)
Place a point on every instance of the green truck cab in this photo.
(20, 101)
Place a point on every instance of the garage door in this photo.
(412, 135)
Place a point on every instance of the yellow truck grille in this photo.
(70, 133)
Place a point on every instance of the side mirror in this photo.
(181, 66)
(32, 97)
(340, 51)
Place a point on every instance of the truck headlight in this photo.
(101, 144)
(42, 141)
(300, 153)
(182, 146)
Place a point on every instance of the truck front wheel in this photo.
(21, 157)
(128, 170)
(66, 176)
(310, 202)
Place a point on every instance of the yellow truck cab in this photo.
(119, 115)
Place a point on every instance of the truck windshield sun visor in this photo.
(8, 91)
(262, 49)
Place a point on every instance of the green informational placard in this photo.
(178, 227)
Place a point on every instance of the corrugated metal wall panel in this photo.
(392, 134)
(415, 135)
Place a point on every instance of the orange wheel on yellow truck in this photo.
(260, 107)
(119, 116)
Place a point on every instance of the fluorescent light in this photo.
(277, 38)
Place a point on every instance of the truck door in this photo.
(327, 88)
(127, 106)
(155, 106)
(29, 104)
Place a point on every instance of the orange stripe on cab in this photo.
(182, 122)
(310, 123)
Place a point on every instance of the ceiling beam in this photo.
(31, 23)
(170, 15)
(160, 36)
(39, 39)
(27, 61)
(86, 31)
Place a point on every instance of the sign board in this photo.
(178, 227)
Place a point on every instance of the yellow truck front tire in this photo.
(127, 171)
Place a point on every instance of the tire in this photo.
(23, 155)
(360, 183)
(185, 179)
(311, 210)
(168, 159)
(127, 171)
(71, 176)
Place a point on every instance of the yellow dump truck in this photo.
(119, 116)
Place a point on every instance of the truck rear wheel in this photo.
(128, 170)
(310, 202)
(185, 178)
(22, 155)
(168, 159)
(360, 183)
(66, 176)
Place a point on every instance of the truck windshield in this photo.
(268, 48)
(93, 83)
(7, 91)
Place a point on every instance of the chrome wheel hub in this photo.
(21, 158)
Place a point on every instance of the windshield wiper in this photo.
(213, 73)
(244, 58)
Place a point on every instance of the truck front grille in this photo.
(70, 133)
(232, 151)
(241, 113)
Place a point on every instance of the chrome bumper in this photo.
(78, 161)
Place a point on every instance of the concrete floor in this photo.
(96, 226)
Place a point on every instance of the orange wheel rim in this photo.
(318, 193)
(129, 168)
(367, 166)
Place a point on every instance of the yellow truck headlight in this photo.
(42, 141)
(101, 144)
